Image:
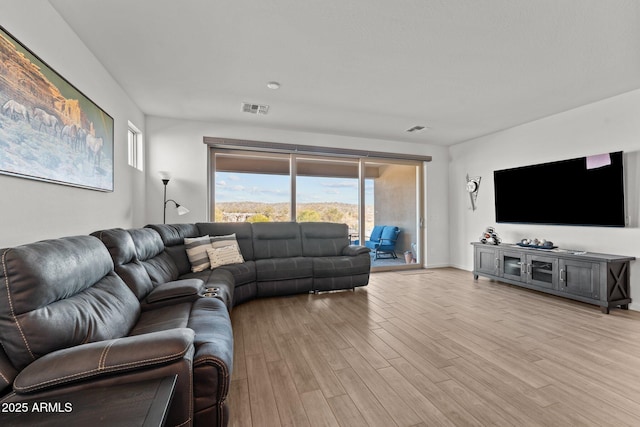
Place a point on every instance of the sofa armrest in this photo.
(175, 289)
(102, 358)
(354, 250)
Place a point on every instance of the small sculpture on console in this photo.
(537, 243)
(490, 236)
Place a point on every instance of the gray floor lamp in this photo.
(181, 209)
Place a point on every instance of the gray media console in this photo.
(594, 278)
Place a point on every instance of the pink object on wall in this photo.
(598, 161)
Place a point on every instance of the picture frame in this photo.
(49, 130)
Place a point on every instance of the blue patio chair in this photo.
(375, 237)
(383, 240)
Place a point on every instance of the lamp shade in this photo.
(182, 210)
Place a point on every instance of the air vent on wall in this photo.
(255, 108)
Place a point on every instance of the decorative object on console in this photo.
(490, 236)
(473, 185)
(536, 244)
(166, 177)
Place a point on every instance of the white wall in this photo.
(606, 126)
(177, 146)
(32, 210)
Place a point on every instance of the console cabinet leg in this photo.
(604, 310)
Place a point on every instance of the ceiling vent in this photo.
(255, 108)
(416, 129)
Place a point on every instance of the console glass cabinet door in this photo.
(542, 271)
(513, 265)
(538, 270)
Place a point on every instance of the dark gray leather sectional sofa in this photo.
(281, 258)
(123, 305)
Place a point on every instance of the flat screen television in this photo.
(567, 192)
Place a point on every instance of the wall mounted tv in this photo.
(582, 191)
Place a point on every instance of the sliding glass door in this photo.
(393, 201)
(363, 193)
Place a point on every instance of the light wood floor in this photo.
(430, 348)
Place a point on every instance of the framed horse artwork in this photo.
(49, 130)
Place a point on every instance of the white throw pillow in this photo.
(229, 239)
(224, 255)
(197, 252)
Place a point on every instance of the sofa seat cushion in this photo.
(163, 318)
(283, 269)
(242, 273)
(338, 266)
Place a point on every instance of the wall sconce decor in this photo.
(473, 185)
(181, 209)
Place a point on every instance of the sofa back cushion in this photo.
(60, 293)
(173, 236)
(242, 230)
(276, 240)
(323, 238)
(120, 245)
(150, 251)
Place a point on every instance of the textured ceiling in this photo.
(369, 68)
